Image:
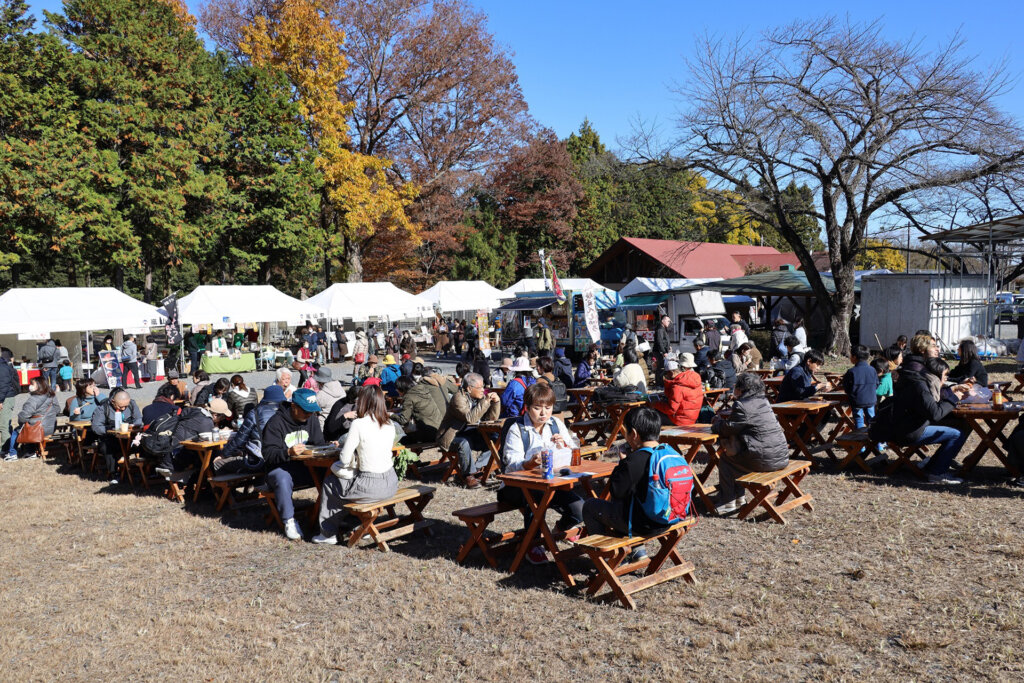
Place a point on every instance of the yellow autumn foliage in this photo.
(873, 257)
(303, 42)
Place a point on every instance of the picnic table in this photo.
(205, 450)
(617, 414)
(531, 481)
(584, 395)
(763, 373)
(491, 431)
(843, 411)
(689, 441)
(988, 422)
(772, 386)
(794, 415)
(712, 397)
(124, 440)
(80, 428)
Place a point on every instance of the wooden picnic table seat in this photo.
(608, 553)
(394, 525)
(225, 485)
(177, 482)
(1017, 388)
(905, 459)
(421, 468)
(855, 443)
(591, 451)
(762, 484)
(598, 425)
(145, 469)
(64, 436)
(477, 519)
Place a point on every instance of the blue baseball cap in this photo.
(274, 393)
(306, 399)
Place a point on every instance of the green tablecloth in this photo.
(223, 366)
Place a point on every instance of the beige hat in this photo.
(506, 362)
(687, 361)
(419, 359)
(219, 406)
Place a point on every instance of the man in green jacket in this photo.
(419, 409)
(545, 342)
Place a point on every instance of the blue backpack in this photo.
(669, 487)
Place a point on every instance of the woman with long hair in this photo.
(970, 366)
(365, 472)
(41, 406)
(240, 398)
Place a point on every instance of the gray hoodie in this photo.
(329, 394)
(129, 352)
(44, 405)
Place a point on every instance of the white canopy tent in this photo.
(38, 312)
(643, 285)
(463, 295)
(224, 306)
(361, 301)
(536, 284)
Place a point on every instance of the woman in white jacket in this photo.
(365, 472)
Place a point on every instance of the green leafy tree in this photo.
(593, 229)
(489, 253)
(148, 101)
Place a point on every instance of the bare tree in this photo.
(863, 120)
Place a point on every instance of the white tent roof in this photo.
(226, 305)
(536, 284)
(463, 295)
(72, 309)
(362, 300)
(642, 285)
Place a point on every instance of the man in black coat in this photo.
(9, 389)
(662, 346)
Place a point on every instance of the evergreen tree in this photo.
(489, 253)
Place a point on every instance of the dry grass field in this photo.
(886, 579)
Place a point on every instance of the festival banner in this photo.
(556, 284)
(483, 338)
(590, 311)
(172, 328)
(111, 365)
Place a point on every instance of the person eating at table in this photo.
(631, 376)
(283, 379)
(365, 471)
(910, 418)
(969, 368)
(752, 440)
(684, 393)
(419, 410)
(190, 424)
(166, 395)
(470, 406)
(799, 384)
(119, 409)
(623, 512)
(529, 434)
(293, 427)
(586, 368)
(244, 450)
(87, 398)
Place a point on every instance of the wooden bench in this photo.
(63, 435)
(599, 425)
(393, 526)
(762, 484)
(224, 486)
(609, 552)
(419, 469)
(477, 519)
(905, 459)
(855, 443)
(1017, 388)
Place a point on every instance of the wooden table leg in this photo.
(989, 430)
(204, 466)
(531, 530)
(126, 471)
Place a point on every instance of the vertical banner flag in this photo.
(590, 311)
(483, 338)
(556, 284)
(173, 328)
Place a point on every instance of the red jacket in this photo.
(684, 396)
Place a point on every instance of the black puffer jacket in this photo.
(902, 418)
(754, 423)
(9, 385)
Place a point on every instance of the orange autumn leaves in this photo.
(303, 42)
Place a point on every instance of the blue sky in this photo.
(613, 61)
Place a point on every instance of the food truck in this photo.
(566, 320)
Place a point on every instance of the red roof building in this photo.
(633, 257)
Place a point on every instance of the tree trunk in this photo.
(72, 275)
(353, 259)
(842, 311)
(147, 294)
(119, 278)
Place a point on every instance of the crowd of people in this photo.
(904, 395)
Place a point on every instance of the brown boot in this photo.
(472, 482)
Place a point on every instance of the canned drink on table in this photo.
(547, 462)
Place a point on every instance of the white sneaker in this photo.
(325, 540)
(114, 481)
(728, 508)
(292, 530)
(944, 479)
(10, 457)
(32, 456)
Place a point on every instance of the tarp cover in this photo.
(72, 309)
(641, 301)
(362, 300)
(227, 305)
(640, 285)
(463, 295)
(528, 303)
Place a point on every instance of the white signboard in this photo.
(33, 336)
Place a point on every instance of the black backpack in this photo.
(713, 376)
(158, 438)
(561, 396)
